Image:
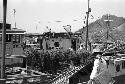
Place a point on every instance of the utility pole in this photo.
(108, 25)
(15, 16)
(3, 40)
(87, 36)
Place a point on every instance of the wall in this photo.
(9, 47)
(64, 44)
(13, 48)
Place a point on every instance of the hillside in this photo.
(98, 29)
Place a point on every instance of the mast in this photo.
(15, 16)
(108, 25)
(89, 10)
(3, 40)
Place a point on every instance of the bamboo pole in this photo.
(3, 40)
(87, 36)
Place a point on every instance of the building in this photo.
(14, 42)
(55, 41)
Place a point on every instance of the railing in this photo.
(64, 78)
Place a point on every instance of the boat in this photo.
(115, 62)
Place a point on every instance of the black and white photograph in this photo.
(62, 41)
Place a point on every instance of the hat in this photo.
(97, 50)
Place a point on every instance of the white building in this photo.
(54, 41)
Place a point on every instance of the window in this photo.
(118, 68)
(56, 44)
(123, 64)
(16, 38)
(0, 37)
(8, 38)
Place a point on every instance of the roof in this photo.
(32, 34)
(61, 34)
(56, 35)
(13, 30)
(8, 26)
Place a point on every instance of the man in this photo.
(100, 73)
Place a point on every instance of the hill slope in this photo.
(98, 29)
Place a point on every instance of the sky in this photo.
(34, 15)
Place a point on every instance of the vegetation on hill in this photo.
(98, 29)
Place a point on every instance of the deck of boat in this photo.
(120, 79)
